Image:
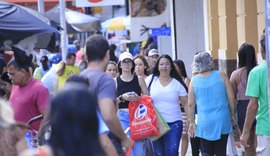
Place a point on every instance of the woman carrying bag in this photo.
(167, 91)
(129, 87)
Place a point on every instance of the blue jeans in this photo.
(139, 148)
(168, 144)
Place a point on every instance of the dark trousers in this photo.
(217, 147)
(195, 146)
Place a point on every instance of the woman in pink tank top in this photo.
(246, 61)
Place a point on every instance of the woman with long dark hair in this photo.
(181, 69)
(246, 62)
(74, 123)
(168, 91)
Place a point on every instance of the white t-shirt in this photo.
(166, 99)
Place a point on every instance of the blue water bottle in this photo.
(28, 139)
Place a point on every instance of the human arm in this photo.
(107, 145)
(108, 113)
(191, 111)
(184, 102)
(104, 140)
(183, 98)
(250, 117)
(143, 86)
(233, 80)
(42, 102)
(187, 81)
(230, 95)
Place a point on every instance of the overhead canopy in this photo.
(117, 23)
(18, 23)
(76, 20)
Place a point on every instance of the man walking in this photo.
(97, 52)
(258, 106)
(29, 97)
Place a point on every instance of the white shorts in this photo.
(263, 147)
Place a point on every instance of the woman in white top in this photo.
(167, 91)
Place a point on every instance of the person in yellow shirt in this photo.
(66, 69)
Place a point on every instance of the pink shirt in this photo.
(239, 79)
(29, 101)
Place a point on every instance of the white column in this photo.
(172, 15)
(64, 39)
(189, 29)
(41, 6)
(206, 32)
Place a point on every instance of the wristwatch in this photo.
(121, 98)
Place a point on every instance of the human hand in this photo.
(236, 129)
(131, 96)
(244, 138)
(186, 126)
(126, 144)
(192, 129)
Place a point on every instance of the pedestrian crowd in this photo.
(83, 104)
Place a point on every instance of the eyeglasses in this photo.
(126, 62)
(11, 75)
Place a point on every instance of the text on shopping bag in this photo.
(143, 119)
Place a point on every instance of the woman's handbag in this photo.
(163, 127)
(143, 118)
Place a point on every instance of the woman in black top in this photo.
(129, 88)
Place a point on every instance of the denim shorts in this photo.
(139, 148)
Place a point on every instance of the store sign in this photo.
(92, 3)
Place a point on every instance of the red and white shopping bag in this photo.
(143, 119)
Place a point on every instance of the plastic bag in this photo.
(143, 119)
(50, 80)
(163, 127)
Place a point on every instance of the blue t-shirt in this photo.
(212, 106)
(102, 128)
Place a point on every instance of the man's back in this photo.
(257, 87)
(69, 70)
(97, 52)
(100, 84)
